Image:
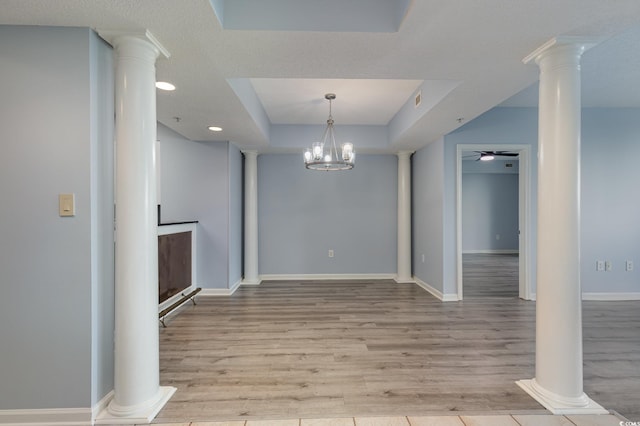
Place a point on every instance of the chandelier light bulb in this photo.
(318, 151)
(347, 151)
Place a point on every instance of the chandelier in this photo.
(324, 155)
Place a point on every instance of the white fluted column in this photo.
(137, 394)
(558, 382)
(251, 218)
(404, 217)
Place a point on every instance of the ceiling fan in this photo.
(491, 155)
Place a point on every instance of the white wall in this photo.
(55, 138)
(304, 213)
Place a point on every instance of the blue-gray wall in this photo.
(610, 199)
(428, 214)
(610, 204)
(489, 212)
(498, 126)
(302, 214)
(203, 181)
(513, 126)
(56, 273)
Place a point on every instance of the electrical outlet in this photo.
(422, 257)
(607, 265)
(600, 265)
(629, 265)
(330, 253)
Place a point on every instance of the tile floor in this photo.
(462, 420)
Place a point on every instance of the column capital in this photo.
(115, 38)
(404, 154)
(250, 152)
(575, 44)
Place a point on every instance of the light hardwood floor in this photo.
(490, 275)
(376, 348)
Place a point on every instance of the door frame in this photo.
(524, 213)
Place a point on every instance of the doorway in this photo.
(505, 259)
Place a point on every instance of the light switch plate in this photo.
(67, 205)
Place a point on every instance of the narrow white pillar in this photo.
(137, 394)
(251, 218)
(558, 381)
(404, 217)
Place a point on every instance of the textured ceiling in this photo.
(362, 102)
(477, 47)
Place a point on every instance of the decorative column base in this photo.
(560, 404)
(404, 280)
(143, 413)
(256, 281)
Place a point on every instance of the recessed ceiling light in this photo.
(163, 85)
(215, 128)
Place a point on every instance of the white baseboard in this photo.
(227, 291)
(610, 296)
(216, 292)
(47, 417)
(102, 404)
(435, 292)
(516, 251)
(320, 277)
(256, 282)
(235, 286)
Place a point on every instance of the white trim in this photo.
(235, 286)
(226, 291)
(102, 404)
(216, 292)
(458, 211)
(512, 251)
(257, 282)
(110, 36)
(309, 277)
(610, 296)
(524, 205)
(558, 404)
(435, 292)
(585, 41)
(47, 417)
(143, 415)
